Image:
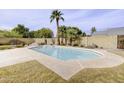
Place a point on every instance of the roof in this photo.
(111, 31)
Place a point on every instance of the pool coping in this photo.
(64, 69)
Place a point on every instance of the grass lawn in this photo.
(35, 72)
(105, 75)
(28, 72)
(3, 47)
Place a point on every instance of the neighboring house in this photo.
(111, 31)
(118, 33)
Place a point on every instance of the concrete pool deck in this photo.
(64, 69)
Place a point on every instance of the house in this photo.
(111, 31)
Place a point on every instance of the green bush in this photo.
(12, 34)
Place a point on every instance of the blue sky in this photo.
(82, 18)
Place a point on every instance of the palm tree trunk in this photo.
(65, 38)
(46, 41)
(62, 38)
(57, 23)
(71, 41)
(65, 41)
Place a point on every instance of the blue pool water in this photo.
(66, 53)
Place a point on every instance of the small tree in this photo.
(74, 34)
(22, 30)
(93, 29)
(12, 34)
(32, 34)
(2, 33)
(83, 34)
(70, 35)
(43, 33)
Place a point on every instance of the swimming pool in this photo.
(63, 53)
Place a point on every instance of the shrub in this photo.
(41, 43)
(75, 44)
(81, 45)
(12, 34)
(94, 45)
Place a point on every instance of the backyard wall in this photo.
(100, 41)
(42, 40)
(49, 40)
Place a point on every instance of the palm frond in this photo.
(62, 18)
(61, 14)
(51, 20)
(52, 17)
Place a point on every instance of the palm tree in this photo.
(57, 15)
(93, 29)
(83, 34)
(74, 34)
(70, 35)
(62, 34)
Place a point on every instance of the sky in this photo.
(36, 19)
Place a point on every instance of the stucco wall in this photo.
(101, 41)
(49, 40)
